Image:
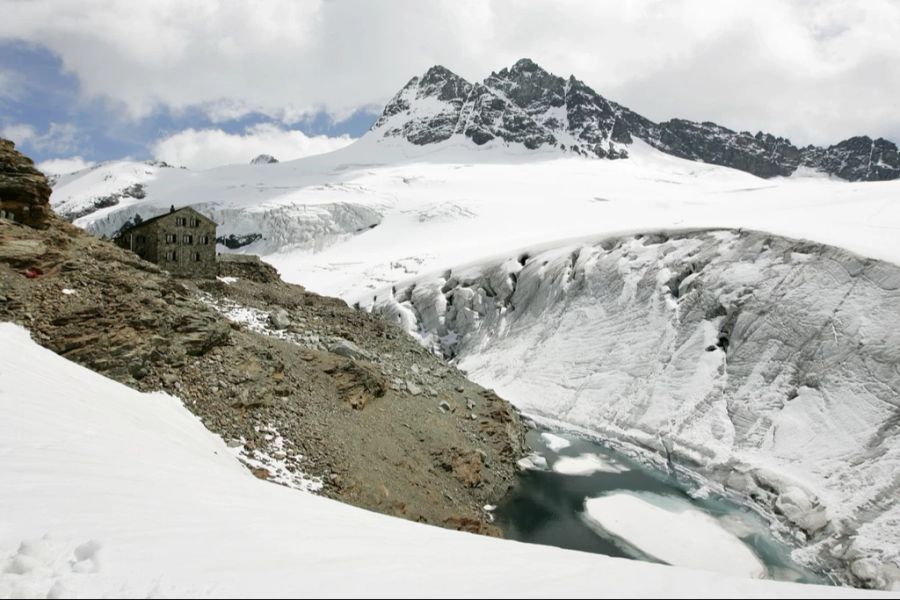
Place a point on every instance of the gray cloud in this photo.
(815, 71)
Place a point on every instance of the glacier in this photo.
(769, 365)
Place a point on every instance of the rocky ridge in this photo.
(525, 104)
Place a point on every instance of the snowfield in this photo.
(382, 210)
(108, 492)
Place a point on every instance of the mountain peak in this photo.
(524, 69)
(427, 109)
(438, 73)
(526, 105)
(526, 65)
(444, 84)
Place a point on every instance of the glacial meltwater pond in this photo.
(580, 494)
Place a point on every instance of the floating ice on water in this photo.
(555, 442)
(587, 464)
(673, 531)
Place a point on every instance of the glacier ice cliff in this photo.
(768, 365)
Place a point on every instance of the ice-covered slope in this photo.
(108, 492)
(769, 365)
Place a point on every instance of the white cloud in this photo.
(61, 166)
(815, 70)
(59, 137)
(208, 148)
(20, 133)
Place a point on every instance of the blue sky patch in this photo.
(37, 95)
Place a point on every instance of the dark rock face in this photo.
(531, 89)
(264, 159)
(762, 154)
(491, 116)
(856, 159)
(527, 105)
(24, 191)
(233, 242)
(595, 122)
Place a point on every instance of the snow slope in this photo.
(110, 492)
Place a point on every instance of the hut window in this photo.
(170, 238)
(196, 257)
(171, 256)
(188, 239)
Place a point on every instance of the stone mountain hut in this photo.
(181, 241)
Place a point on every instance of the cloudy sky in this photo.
(207, 82)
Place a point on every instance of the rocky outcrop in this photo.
(24, 191)
(264, 159)
(762, 154)
(233, 242)
(308, 391)
(247, 266)
(527, 105)
(856, 159)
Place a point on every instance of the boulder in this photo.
(280, 319)
(24, 191)
(348, 349)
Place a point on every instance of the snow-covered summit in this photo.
(521, 105)
(528, 106)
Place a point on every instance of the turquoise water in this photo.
(547, 507)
